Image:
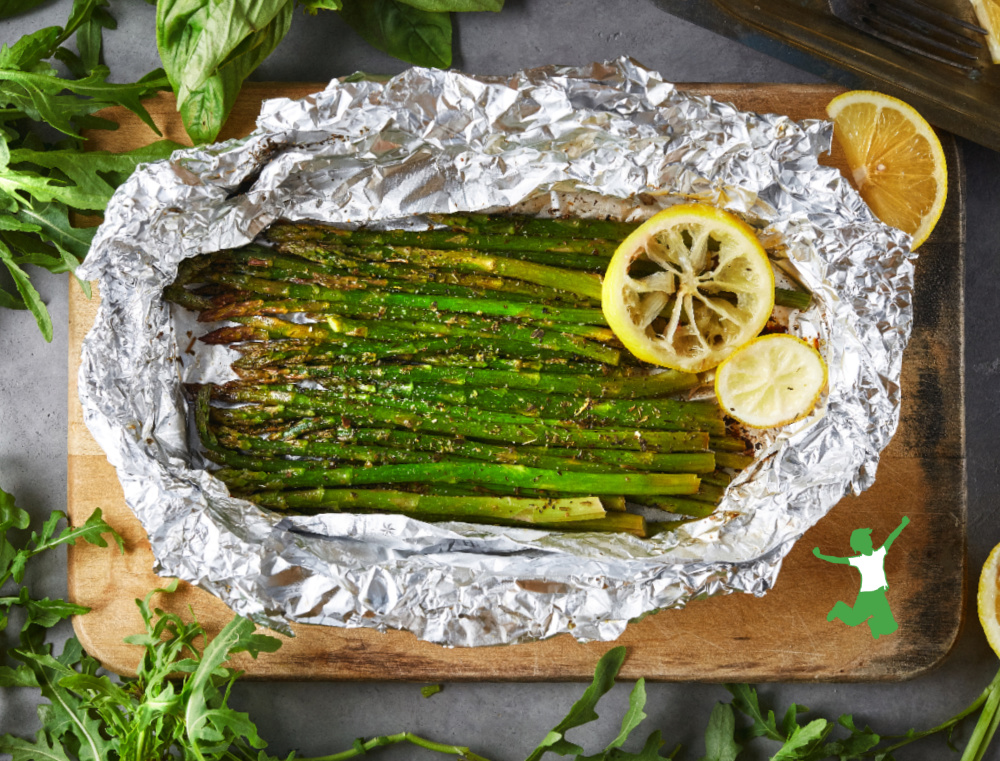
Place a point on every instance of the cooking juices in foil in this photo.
(427, 141)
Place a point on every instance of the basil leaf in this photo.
(206, 109)
(209, 48)
(410, 34)
(456, 5)
(312, 6)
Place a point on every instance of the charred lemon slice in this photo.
(773, 380)
(688, 287)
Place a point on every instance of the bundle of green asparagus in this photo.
(464, 372)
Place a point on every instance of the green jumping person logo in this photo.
(871, 604)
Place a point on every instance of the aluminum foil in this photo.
(562, 140)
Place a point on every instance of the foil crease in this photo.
(433, 141)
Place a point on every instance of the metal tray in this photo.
(967, 104)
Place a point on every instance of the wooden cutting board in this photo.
(783, 636)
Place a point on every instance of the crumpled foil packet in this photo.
(433, 141)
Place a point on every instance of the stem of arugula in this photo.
(992, 690)
(987, 724)
(383, 740)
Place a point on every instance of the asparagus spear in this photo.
(670, 442)
(394, 446)
(583, 386)
(330, 252)
(526, 339)
(492, 473)
(401, 318)
(523, 510)
(273, 265)
(375, 300)
(348, 400)
(519, 407)
(372, 416)
(558, 227)
(443, 239)
(447, 350)
(783, 297)
(677, 505)
(735, 461)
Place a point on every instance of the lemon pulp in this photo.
(988, 600)
(773, 380)
(895, 158)
(688, 287)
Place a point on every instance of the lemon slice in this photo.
(773, 380)
(895, 158)
(988, 13)
(688, 287)
(989, 599)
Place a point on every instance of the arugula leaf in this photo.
(89, 35)
(45, 748)
(39, 95)
(416, 36)
(66, 718)
(92, 531)
(46, 613)
(634, 716)
(745, 701)
(803, 742)
(859, 742)
(790, 722)
(30, 50)
(582, 711)
(86, 181)
(720, 739)
(29, 295)
(11, 516)
(10, 301)
(22, 676)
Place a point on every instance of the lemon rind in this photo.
(930, 220)
(614, 282)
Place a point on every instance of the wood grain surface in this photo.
(782, 636)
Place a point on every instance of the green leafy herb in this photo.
(208, 47)
(430, 689)
(10, 8)
(720, 740)
(403, 31)
(41, 183)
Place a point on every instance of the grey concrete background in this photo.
(504, 721)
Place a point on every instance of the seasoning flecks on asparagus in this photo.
(464, 372)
